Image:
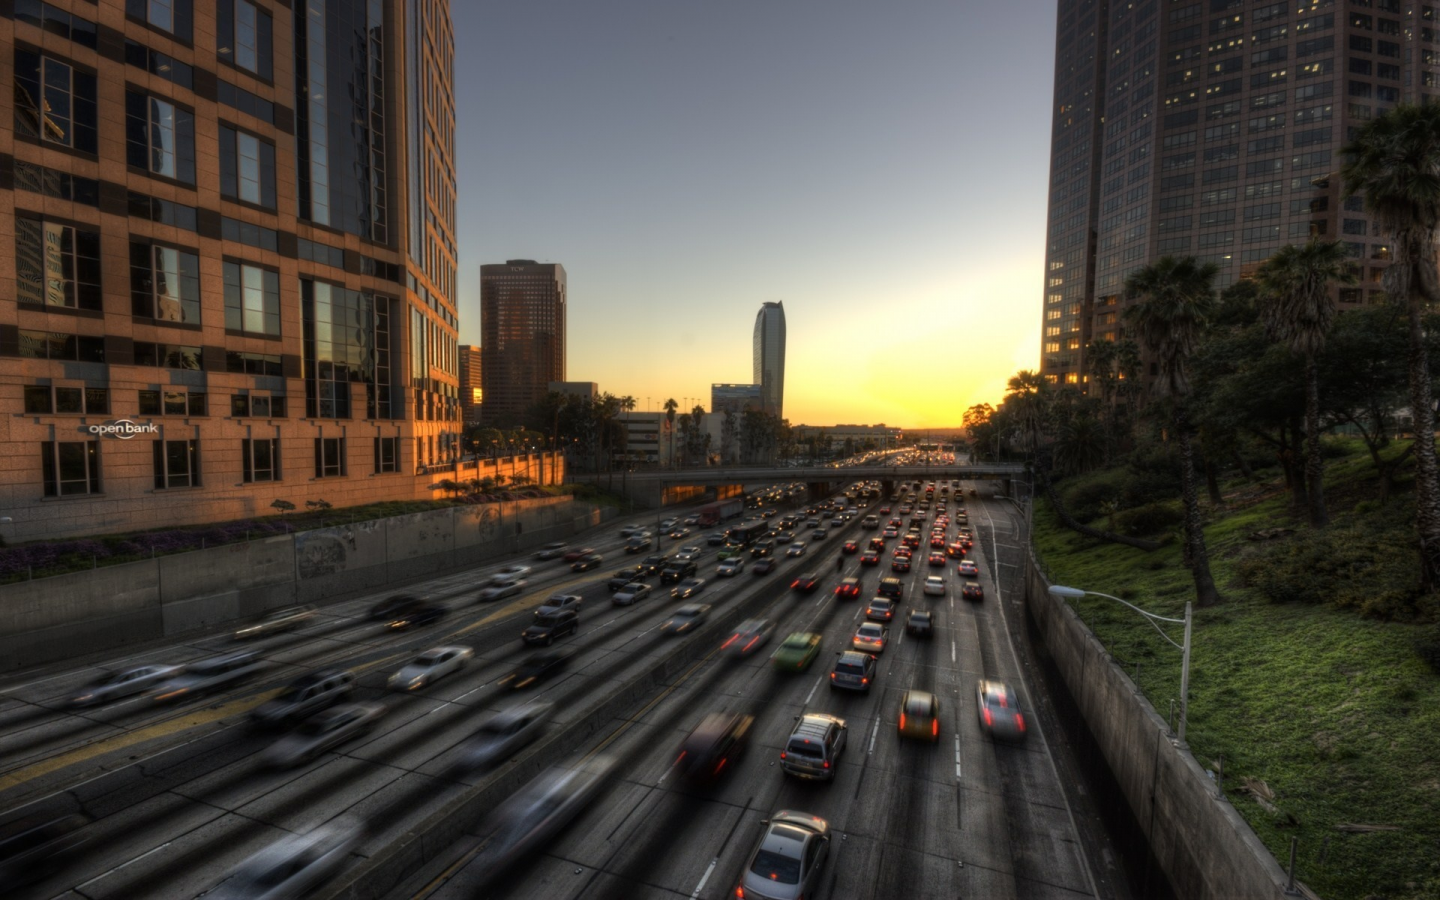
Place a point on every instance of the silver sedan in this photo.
(293, 866)
(121, 684)
(429, 667)
(503, 734)
(276, 621)
(323, 731)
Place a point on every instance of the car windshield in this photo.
(850, 668)
(879, 604)
(796, 643)
(775, 867)
(917, 706)
(870, 631)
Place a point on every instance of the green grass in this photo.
(1333, 710)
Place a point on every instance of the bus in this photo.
(746, 533)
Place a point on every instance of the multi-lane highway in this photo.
(179, 796)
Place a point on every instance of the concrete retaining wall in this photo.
(1206, 850)
(86, 612)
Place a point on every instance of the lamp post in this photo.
(1070, 593)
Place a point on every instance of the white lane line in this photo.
(952, 651)
(957, 757)
(124, 864)
(813, 689)
(874, 731)
(701, 886)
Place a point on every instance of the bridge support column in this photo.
(887, 488)
(818, 490)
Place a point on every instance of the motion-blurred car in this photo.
(39, 844)
(631, 593)
(587, 562)
(787, 860)
(293, 866)
(848, 588)
(277, 621)
(869, 558)
(850, 547)
(501, 589)
(573, 555)
(819, 534)
(417, 616)
(971, 590)
(535, 813)
(806, 583)
(730, 567)
(796, 652)
(795, 549)
(509, 573)
(688, 554)
(919, 716)
(687, 588)
(934, 586)
(920, 623)
(719, 739)
(955, 549)
(968, 568)
(676, 571)
(654, 565)
(303, 697)
(207, 675)
(387, 609)
(118, 685)
(763, 566)
(552, 550)
(625, 576)
(429, 667)
(680, 533)
(685, 619)
(853, 671)
(323, 731)
(880, 609)
(536, 669)
(545, 629)
(749, 636)
(557, 602)
(504, 734)
(870, 637)
(637, 543)
(999, 709)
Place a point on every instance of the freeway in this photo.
(179, 796)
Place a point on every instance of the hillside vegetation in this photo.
(1315, 683)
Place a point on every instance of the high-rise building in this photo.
(735, 398)
(770, 357)
(522, 322)
(471, 394)
(1212, 129)
(233, 227)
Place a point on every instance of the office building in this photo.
(233, 228)
(649, 438)
(770, 357)
(471, 393)
(585, 391)
(1212, 129)
(522, 322)
(736, 398)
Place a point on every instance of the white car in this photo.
(552, 550)
(323, 731)
(687, 554)
(934, 586)
(124, 683)
(499, 590)
(669, 524)
(558, 602)
(293, 866)
(510, 573)
(430, 666)
(633, 592)
(795, 549)
(631, 530)
(731, 567)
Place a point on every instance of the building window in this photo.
(172, 403)
(83, 401)
(167, 15)
(56, 265)
(52, 345)
(57, 184)
(253, 363)
(252, 299)
(54, 101)
(159, 137)
(167, 356)
(329, 457)
(260, 460)
(244, 36)
(57, 21)
(257, 406)
(164, 283)
(70, 467)
(247, 168)
(387, 454)
(166, 212)
(1354, 226)
(160, 64)
(177, 464)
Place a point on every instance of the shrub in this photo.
(1366, 569)
(1152, 518)
(1085, 497)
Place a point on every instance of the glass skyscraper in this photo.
(770, 357)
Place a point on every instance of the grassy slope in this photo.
(1334, 712)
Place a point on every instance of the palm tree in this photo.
(1175, 302)
(670, 407)
(1297, 308)
(1025, 393)
(627, 403)
(1395, 162)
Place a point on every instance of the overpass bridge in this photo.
(659, 487)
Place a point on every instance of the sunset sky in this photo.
(881, 168)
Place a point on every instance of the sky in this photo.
(879, 168)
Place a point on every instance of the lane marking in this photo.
(813, 690)
(952, 651)
(706, 877)
(957, 757)
(874, 731)
(150, 852)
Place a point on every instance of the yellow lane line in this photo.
(130, 739)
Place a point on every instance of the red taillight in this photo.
(989, 720)
(934, 727)
(721, 766)
(782, 754)
(902, 721)
(740, 892)
(827, 764)
(795, 583)
(1019, 721)
(729, 642)
(832, 676)
(864, 681)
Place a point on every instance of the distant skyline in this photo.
(882, 170)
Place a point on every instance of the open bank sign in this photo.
(124, 429)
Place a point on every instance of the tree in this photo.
(1175, 300)
(670, 407)
(283, 506)
(1297, 309)
(1025, 395)
(1394, 162)
(729, 430)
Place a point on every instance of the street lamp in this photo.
(1070, 593)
